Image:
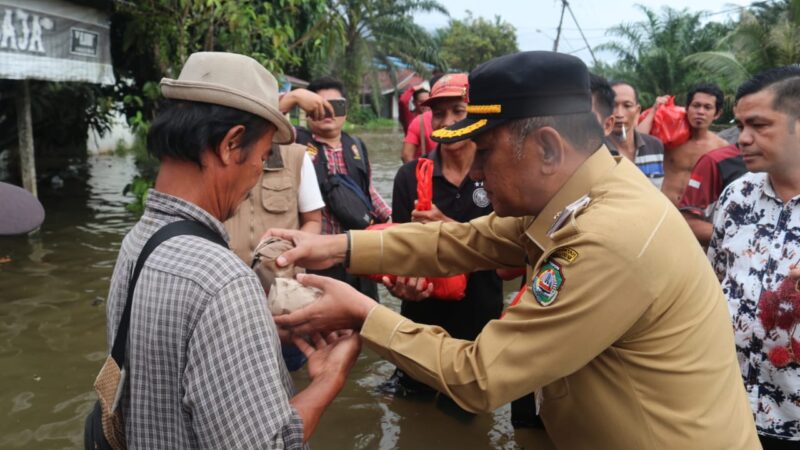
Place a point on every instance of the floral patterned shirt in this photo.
(756, 239)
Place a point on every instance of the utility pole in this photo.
(581, 31)
(560, 22)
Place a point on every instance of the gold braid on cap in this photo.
(444, 133)
(484, 109)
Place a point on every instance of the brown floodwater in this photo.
(53, 286)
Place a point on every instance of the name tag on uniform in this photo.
(567, 213)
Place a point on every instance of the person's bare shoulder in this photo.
(717, 142)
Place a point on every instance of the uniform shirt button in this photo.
(458, 195)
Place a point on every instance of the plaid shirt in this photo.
(203, 357)
(336, 164)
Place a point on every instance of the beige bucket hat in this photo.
(231, 80)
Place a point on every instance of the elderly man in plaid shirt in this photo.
(203, 353)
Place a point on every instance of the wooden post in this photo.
(25, 133)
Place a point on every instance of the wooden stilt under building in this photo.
(25, 132)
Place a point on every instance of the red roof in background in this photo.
(405, 79)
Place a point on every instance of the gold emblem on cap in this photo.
(444, 133)
(484, 109)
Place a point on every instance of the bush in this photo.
(361, 115)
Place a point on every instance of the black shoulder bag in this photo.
(105, 427)
(346, 200)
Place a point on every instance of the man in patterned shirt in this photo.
(754, 245)
(203, 354)
(336, 152)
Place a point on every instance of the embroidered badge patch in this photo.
(356, 154)
(311, 150)
(547, 283)
(568, 254)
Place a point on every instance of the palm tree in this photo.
(377, 31)
(767, 35)
(651, 52)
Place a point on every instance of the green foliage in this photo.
(361, 116)
(652, 52)
(373, 31)
(378, 123)
(138, 187)
(467, 43)
(767, 35)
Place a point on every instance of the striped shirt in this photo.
(204, 359)
(649, 156)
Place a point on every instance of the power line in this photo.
(588, 47)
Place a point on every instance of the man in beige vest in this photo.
(287, 195)
(623, 331)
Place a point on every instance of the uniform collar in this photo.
(578, 185)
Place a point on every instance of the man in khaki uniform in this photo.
(623, 330)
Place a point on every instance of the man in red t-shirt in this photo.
(712, 172)
(419, 132)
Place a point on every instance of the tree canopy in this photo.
(465, 44)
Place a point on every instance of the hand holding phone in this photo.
(339, 107)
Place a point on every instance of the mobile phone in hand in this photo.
(339, 107)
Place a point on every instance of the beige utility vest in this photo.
(272, 202)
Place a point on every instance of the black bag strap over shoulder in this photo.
(179, 228)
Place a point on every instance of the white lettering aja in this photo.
(29, 37)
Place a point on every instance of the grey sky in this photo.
(536, 20)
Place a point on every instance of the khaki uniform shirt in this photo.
(624, 329)
(272, 202)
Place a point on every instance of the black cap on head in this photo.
(525, 84)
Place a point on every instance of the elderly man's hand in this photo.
(331, 355)
(312, 251)
(340, 307)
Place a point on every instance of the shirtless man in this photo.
(703, 106)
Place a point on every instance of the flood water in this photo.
(53, 286)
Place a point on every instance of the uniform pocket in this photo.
(277, 195)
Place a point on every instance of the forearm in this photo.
(701, 228)
(647, 123)
(312, 401)
(311, 222)
(408, 152)
(438, 249)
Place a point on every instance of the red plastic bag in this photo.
(444, 288)
(669, 124)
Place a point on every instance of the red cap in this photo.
(450, 85)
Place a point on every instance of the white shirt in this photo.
(309, 197)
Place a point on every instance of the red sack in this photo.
(444, 288)
(669, 124)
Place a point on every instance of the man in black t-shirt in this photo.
(455, 198)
